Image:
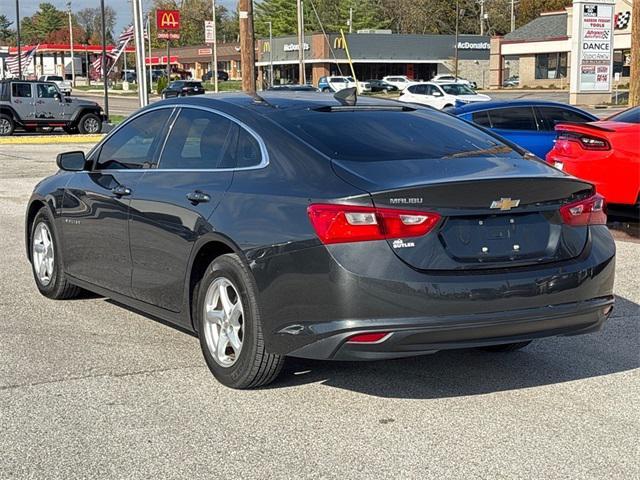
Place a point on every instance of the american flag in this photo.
(25, 60)
(115, 52)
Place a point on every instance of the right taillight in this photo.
(590, 211)
(588, 142)
(348, 223)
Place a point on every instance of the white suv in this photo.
(400, 81)
(337, 83)
(63, 85)
(448, 78)
(441, 95)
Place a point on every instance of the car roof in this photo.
(477, 106)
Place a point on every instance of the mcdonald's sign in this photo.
(266, 47)
(338, 43)
(168, 19)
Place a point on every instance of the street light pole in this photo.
(214, 69)
(301, 71)
(456, 46)
(270, 54)
(513, 15)
(104, 60)
(138, 32)
(481, 17)
(73, 65)
(18, 39)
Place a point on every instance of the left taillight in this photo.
(587, 142)
(590, 211)
(347, 223)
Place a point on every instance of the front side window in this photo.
(628, 116)
(551, 66)
(47, 90)
(518, 118)
(457, 89)
(198, 140)
(135, 144)
(21, 90)
(481, 118)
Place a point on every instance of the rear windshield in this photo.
(372, 135)
(54, 78)
(628, 116)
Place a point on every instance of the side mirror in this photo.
(57, 96)
(71, 161)
(437, 94)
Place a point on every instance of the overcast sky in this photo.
(122, 7)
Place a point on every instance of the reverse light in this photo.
(588, 142)
(590, 211)
(375, 337)
(347, 223)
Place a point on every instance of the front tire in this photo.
(90, 123)
(230, 326)
(46, 262)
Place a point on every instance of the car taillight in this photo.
(347, 223)
(590, 211)
(588, 142)
(376, 337)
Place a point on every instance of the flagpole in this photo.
(18, 39)
(104, 61)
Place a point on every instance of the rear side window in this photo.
(21, 90)
(198, 140)
(380, 135)
(481, 118)
(134, 145)
(517, 118)
(549, 116)
(418, 89)
(248, 150)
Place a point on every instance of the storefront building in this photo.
(198, 59)
(374, 55)
(540, 51)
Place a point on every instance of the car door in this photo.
(96, 203)
(548, 117)
(50, 105)
(22, 100)
(171, 206)
(519, 125)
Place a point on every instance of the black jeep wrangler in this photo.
(31, 105)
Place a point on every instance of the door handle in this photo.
(197, 196)
(121, 191)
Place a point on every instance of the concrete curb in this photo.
(49, 139)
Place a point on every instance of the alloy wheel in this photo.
(43, 253)
(223, 319)
(91, 125)
(5, 126)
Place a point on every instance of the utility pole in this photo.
(301, 72)
(247, 46)
(481, 16)
(73, 64)
(455, 67)
(149, 20)
(18, 39)
(513, 15)
(104, 60)
(350, 20)
(214, 72)
(270, 54)
(138, 33)
(634, 81)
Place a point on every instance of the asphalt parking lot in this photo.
(91, 390)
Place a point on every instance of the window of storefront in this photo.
(551, 66)
(622, 62)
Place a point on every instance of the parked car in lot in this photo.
(441, 95)
(513, 81)
(31, 105)
(293, 87)
(399, 81)
(222, 76)
(604, 153)
(337, 83)
(446, 78)
(529, 123)
(183, 88)
(300, 225)
(381, 86)
(63, 85)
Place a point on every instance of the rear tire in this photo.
(230, 326)
(325, 90)
(46, 261)
(90, 123)
(6, 125)
(506, 347)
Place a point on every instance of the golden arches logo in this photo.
(338, 43)
(266, 47)
(168, 19)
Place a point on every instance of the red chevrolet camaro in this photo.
(606, 153)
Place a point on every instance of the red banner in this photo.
(168, 19)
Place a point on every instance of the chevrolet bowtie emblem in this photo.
(505, 203)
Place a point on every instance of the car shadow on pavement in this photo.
(472, 372)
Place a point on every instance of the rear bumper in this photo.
(314, 299)
(428, 335)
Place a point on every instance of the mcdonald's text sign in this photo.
(168, 19)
